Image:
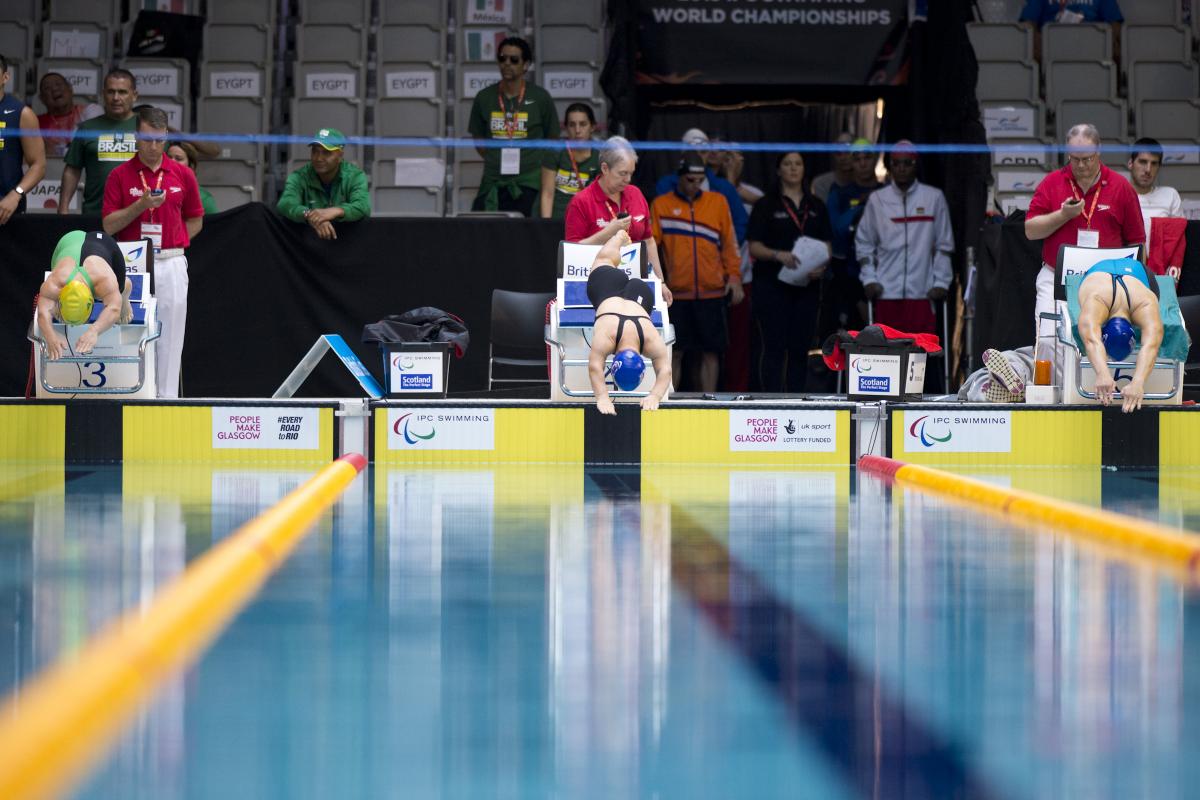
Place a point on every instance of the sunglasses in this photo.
(509, 59)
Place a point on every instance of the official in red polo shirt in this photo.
(152, 197)
(1086, 204)
(611, 203)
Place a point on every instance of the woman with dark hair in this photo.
(567, 170)
(785, 308)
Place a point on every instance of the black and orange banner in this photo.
(809, 42)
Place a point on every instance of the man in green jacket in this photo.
(326, 189)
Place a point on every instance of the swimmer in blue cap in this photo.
(623, 329)
(1115, 297)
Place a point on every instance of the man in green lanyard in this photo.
(512, 110)
(326, 189)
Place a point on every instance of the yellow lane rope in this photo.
(59, 724)
(1128, 533)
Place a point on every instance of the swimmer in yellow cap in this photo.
(84, 266)
(623, 329)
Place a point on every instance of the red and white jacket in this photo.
(904, 241)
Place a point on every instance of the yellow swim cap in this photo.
(75, 303)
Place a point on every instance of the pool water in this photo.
(551, 632)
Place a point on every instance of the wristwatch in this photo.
(19, 191)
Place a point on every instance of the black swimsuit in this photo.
(605, 282)
(621, 326)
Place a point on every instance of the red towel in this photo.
(1167, 243)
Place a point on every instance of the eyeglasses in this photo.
(509, 59)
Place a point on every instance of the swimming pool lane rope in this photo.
(1129, 534)
(53, 729)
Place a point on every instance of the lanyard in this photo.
(510, 120)
(574, 168)
(1087, 214)
(608, 203)
(146, 187)
(787, 206)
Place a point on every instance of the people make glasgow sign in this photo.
(810, 42)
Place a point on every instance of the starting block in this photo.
(122, 362)
(1165, 383)
(571, 317)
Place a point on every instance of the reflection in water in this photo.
(521, 632)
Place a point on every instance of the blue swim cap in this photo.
(1117, 334)
(626, 370)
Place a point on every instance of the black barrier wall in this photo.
(262, 290)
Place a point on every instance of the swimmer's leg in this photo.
(126, 309)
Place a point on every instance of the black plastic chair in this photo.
(518, 338)
(1189, 309)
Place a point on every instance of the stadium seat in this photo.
(569, 12)
(165, 82)
(1014, 120)
(16, 40)
(1183, 177)
(240, 12)
(430, 13)
(1151, 12)
(423, 198)
(1023, 154)
(569, 43)
(101, 12)
(1080, 42)
(247, 43)
(1023, 180)
(234, 100)
(1169, 119)
(410, 43)
(227, 197)
(335, 12)
(467, 176)
(1155, 43)
(77, 40)
(1080, 80)
(1001, 42)
(405, 117)
(1007, 80)
(332, 43)
(1161, 80)
(1111, 117)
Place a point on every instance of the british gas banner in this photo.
(772, 41)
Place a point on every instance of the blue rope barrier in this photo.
(638, 146)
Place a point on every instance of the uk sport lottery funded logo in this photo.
(407, 427)
(920, 429)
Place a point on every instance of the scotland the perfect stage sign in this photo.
(416, 373)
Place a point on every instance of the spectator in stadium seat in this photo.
(703, 268)
(567, 171)
(152, 197)
(17, 152)
(184, 153)
(512, 110)
(1156, 201)
(108, 141)
(1085, 203)
(1038, 12)
(786, 315)
(844, 305)
(904, 244)
(697, 141)
(327, 188)
(62, 113)
(842, 173)
(610, 203)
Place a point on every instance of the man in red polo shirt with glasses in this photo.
(152, 197)
(1085, 204)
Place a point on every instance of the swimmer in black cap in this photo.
(623, 328)
(1113, 294)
